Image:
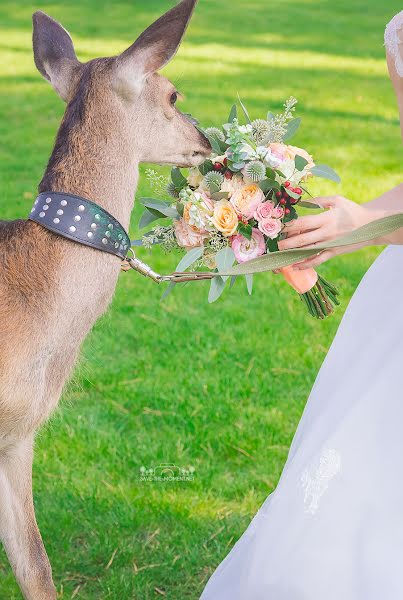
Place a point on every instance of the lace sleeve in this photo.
(394, 41)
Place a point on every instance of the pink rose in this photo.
(187, 237)
(277, 212)
(264, 211)
(247, 199)
(245, 249)
(270, 227)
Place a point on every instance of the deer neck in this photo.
(96, 164)
(102, 167)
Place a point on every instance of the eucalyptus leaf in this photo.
(214, 144)
(300, 162)
(249, 283)
(233, 114)
(225, 258)
(292, 128)
(170, 288)
(216, 289)
(325, 172)
(304, 204)
(190, 258)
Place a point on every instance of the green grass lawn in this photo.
(222, 387)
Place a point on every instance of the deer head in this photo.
(122, 101)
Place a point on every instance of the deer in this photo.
(120, 112)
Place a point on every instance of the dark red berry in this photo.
(298, 191)
(287, 184)
(225, 162)
(278, 194)
(228, 175)
(282, 201)
(287, 211)
(217, 166)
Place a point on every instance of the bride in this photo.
(333, 528)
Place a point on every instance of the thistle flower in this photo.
(216, 133)
(256, 171)
(171, 190)
(260, 130)
(213, 181)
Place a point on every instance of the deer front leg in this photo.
(18, 529)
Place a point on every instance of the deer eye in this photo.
(174, 98)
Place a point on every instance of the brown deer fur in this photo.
(119, 113)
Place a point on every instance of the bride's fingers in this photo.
(330, 201)
(303, 224)
(308, 238)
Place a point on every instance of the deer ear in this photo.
(54, 53)
(157, 45)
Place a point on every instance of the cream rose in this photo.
(247, 199)
(283, 152)
(225, 218)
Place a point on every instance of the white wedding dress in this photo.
(333, 528)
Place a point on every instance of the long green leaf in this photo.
(292, 128)
(225, 258)
(190, 258)
(245, 112)
(165, 208)
(325, 172)
(300, 162)
(149, 216)
(216, 289)
(249, 283)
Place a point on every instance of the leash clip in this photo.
(145, 270)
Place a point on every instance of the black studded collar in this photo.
(81, 221)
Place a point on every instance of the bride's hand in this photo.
(342, 216)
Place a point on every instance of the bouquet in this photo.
(234, 207)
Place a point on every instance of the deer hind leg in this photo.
(18, 529)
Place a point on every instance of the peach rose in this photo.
(225, 218)
(270, 227)
(247, 199)
(187, 237)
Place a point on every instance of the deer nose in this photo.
(205, 148)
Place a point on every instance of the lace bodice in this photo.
(394, 41)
